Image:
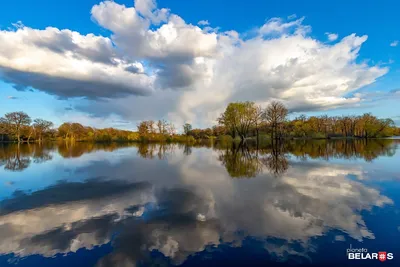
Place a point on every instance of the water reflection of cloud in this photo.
(46, 211)
(67, 192)
(307, 201)
(194, 203)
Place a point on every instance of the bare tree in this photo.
(152, 128)
(258, 118)
(4, 128)
(275, 115)
(41, 127)
(171, 129)
(29, 131)
(17, 120)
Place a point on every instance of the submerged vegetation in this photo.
(240, 120)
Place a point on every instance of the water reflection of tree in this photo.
(77, 149)
(343, 148)
(41, 153)
(275, 159)
(247, 160)
(153, 150)
(240, 161)
(243, 160)
(15, 157)
(187, 150)
(74, 150)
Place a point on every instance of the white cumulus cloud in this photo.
(156, 64)
(68, 64)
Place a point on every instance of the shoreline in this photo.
(202, 140)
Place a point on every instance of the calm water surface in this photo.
(298, 203)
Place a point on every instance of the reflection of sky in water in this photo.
(186, 207)
(40, 175)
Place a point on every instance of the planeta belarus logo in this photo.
(364, 254)
(382, 255)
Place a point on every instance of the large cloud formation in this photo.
(185, 72)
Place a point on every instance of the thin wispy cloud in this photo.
(203, 22)
(332, 36)
(394, 43)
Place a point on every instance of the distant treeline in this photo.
(239, 120)
(19, 127)
(248, 119)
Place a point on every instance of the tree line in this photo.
(19, 127)
(246, 119)
(240, 120)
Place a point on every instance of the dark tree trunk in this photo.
(257, 136)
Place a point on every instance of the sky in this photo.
(112, 64)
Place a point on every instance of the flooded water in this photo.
(297, 203)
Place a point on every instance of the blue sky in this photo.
(376, 19)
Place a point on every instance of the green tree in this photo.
(77, 130)
(65, 130)
(187, 127)
(72, 131)
(239, 117)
